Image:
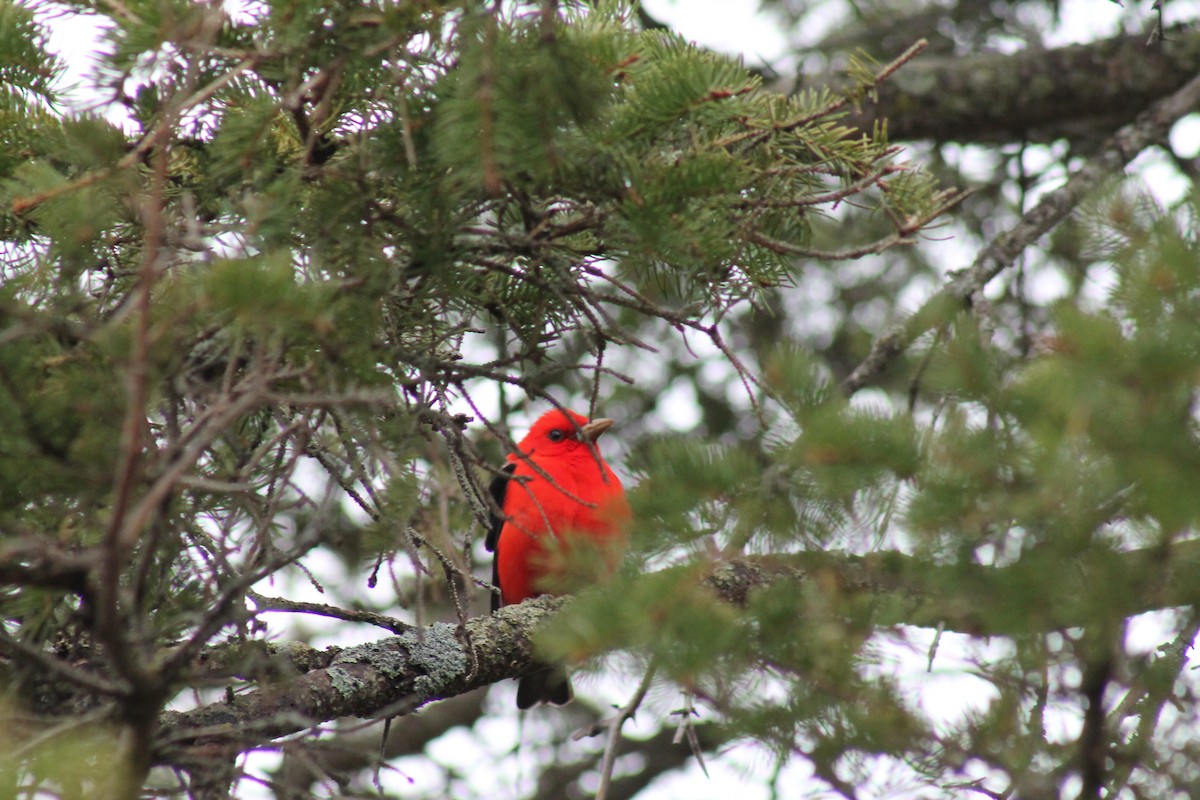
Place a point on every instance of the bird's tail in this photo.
(549, 683)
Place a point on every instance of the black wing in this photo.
(497, 489)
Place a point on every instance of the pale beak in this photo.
(591, 432)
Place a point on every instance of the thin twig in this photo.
(264, 603)
(614, 731)
(904, 234)
(110, 628)
(837, 104)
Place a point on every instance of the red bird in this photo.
(557, 485)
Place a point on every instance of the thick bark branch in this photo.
(1033, 95)
(396, 675)
(389, 677)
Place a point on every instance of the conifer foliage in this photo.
(268, 304)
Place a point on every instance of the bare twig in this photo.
(686, 729)
(885, 72)
(264, 603)
(614, 725)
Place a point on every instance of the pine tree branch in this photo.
(1032, 95)
(1000, 254)
(395, 676)
(909, 590)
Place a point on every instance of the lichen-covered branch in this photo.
(397, 675)
(388, 677)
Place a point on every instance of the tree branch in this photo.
(1150, 128)
(614, 725)
(263, 603)
(1031, 95)
(37, 561)
(358, 749)
(389, 677)
(397, 675)
(659, 754)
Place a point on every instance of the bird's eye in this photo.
(556, 436)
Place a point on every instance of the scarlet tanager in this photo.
(558, 485)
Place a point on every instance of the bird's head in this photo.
(561, 432)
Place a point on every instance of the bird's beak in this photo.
(593, 429)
